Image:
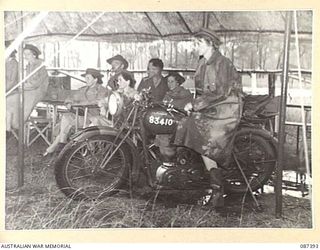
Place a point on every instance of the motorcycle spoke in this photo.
(82, 176)
(83, 172)
(76, 166)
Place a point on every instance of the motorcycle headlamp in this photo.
(115, 103)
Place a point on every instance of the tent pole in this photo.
(99, 56)
(302, 110)
(205, 22)
(271, 84)
(20, 166)
(282, 116)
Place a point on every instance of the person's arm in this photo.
(11, 74)
(37, 79)
(85, 98)
(73, 96)
(229, 78)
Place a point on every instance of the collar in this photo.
(158, 82)
(213, 57)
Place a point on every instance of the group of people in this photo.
(209, 130)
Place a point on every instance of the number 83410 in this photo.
(160, 120)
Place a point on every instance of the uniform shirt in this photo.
(113, 81)
(39, 80)
(87, 96)
(179, 96)
(217, 76)
(157, 92)
(218, 79)
(35, 89)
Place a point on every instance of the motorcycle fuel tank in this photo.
(157, 120)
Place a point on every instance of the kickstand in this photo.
(247, 182)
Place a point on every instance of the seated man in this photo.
(155, 81)
(92, 93)
(118, 63)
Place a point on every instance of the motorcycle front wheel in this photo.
(78, 172)
(257, 159)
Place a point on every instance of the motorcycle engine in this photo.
(186, 173)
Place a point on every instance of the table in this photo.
(86, 107)
(57, 106)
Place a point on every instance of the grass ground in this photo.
(40, 205)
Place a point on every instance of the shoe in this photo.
(214, 195)
(47, 154)
(59, 147)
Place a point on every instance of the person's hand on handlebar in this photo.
(188, 108)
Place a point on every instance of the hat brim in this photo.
(124, 61)
(97, 76)
(38, 52)
(213, 37)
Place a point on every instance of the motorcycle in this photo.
(99, 161)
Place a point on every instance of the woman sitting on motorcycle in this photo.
(211, 128)
(126, 84)
(177, 95)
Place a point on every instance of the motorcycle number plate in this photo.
(160, 121)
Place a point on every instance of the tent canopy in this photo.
(142, 26)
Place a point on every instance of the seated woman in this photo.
(211, 129)
(92, 93)
(125, 83)
(177, 95)
(35, 88)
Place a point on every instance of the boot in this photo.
(214, 196)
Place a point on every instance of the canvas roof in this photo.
(141, 26)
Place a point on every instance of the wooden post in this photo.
(176, 53)
(254, 83)
(186, 58)
(58, 56)
(282, 117)
(21, 116)
(54, 55)
(272, 84)
(271, 92)
(205, 21)
(99, 57)
(170, 64)
(44, 51)
(232, 53)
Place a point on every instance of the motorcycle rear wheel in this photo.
(78, 174)
(257, 159)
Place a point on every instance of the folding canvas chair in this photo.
(40, 125)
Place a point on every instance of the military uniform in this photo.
(210, 130)
(85, 96)
(178, 97)
(113, 81)
(35, 89)
(157, 92)
(12, 73)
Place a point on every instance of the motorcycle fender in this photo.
(267, 136)
(101, 130)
